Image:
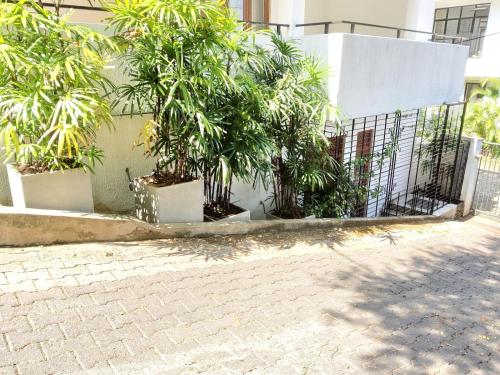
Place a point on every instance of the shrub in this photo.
(174, 56)
(52, 93)
(483, 115)
(187, 60)
(297, 107)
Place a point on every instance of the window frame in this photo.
(247, 10)
(459, 19)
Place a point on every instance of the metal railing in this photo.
(278, 27)
(403, 163)
(328, 26)
(62, 5)
(269, 25)
(487, 193)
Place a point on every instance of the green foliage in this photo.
(187, 60)
(174, 55)
(343, 194)
(483, 115)
(297, 107)
(243, 150)
(52, 93)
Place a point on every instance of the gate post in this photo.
(471, 173)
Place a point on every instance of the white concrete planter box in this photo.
(242, 216)
(271, 216)
(179, 203)
(69, 190)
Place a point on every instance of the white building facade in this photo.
(475, 23)
(383, 57)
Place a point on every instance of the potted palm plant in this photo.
(242, 153)
(51, 105)
(175, 55)
(297, 108)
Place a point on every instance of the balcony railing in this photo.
(269, 25)
(328, 27)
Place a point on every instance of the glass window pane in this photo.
(454, 12)
(439, 27)
(441, 13)
(466, 26)
(452, 27)
(483, 13)
(468, 11)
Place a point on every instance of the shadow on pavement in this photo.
(441, 307)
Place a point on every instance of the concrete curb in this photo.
(32, 227)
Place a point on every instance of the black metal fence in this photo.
(409, 163)
(487, 195)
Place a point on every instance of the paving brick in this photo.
(39, 320)
(76, 328)
(19, 340)
(285, 304)
(27, 298)
(110, 309)
(92, 356)
(29, 354)
(91, 278)
(66, 363)
(18, 277)
(102, 298)
(18, 323)
(8, 370)
(8, 299)
(58, 273)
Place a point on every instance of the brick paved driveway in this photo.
(409, 300)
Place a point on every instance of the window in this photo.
(467, 21)
(251, 10)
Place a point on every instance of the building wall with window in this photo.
(368, 76)
(486, 62)
(413, 14)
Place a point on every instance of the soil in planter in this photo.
(164, 179)
(288, 214)
(26, 169)
(214, 213)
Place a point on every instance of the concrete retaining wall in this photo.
(44, 227)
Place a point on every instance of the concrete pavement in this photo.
(420, 299)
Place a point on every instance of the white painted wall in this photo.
(371, 75)
(395, 13)
(109, 184)
(411, 14)
(419, 16)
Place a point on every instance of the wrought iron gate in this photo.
(487, 196)
(410, 162)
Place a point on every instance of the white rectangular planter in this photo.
(271, 216)
(69, 190)
(179, 203)
(242, 216)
